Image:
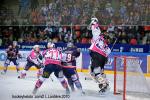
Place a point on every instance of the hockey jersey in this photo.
(69, 57)
(35, 57)
(99, 44)
(52, 56)
(12, 52)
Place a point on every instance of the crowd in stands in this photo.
(67, 20)
(79, 12)
(78, 34)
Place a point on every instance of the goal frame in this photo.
(124, 74)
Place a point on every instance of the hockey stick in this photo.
(90, 77)
(51, 78)
(115, 42)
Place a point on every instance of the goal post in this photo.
(129, 80)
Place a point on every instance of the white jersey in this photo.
(99, 44)
(95, 31)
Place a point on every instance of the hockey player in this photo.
(34, 59)
(12, 56)
(52, 63)
(99, 52)
(69, 66)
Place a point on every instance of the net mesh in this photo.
(136, 83)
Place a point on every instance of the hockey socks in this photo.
(40, 72)
(64, 84)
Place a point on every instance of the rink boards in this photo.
(83, 61)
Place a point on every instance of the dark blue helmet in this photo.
(70, 44)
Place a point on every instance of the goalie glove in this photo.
(93, 22)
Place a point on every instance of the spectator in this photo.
(84, 40)
(68, 37)
(109, 9)
(48, 31)
(133, 41)
(75, 11)
(123, 12)
(0, 41)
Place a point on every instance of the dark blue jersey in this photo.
(72, 54)
(12, 52)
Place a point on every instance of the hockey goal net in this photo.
(129, 80)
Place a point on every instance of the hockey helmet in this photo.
(94, 19)
(70, 44)
(36, 48)
(15, 43)
(50, 45)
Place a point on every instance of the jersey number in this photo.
(69, 57)
(101, 46)
(52, 55)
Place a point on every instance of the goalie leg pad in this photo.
(100, 77)
(96, 71)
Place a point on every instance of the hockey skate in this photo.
(35, 90)
(3, 72)
(67, 91)
(82, 92)
(103, 84)
(17, 70)
(104, 89)
(22, 76)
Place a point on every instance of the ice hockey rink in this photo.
(12, 88)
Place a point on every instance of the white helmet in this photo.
(50, 45)
(94, 20)
(36, 47)
(15, 43)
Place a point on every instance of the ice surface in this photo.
(11, 86)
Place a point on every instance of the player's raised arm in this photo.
(94, 26)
